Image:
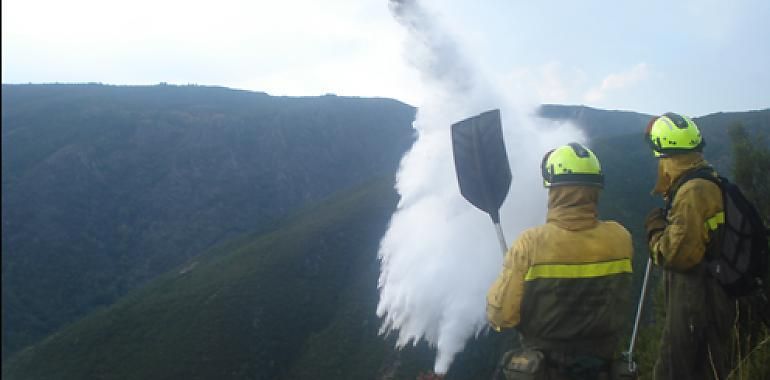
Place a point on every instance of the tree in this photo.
(751, 168)
(751, 165)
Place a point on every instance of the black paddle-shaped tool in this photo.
(481, 164)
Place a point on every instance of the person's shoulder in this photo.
(532, 233)
(616, 227)
(698, 188)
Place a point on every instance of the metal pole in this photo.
(639, 308)
(501, 238)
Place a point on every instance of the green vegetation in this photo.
(106, 187)
(752, 174)
(752, 166)
(295, 303)
(248, 310)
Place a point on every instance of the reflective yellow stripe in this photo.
(713, 222)
(578, 270)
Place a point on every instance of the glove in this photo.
(655, 222)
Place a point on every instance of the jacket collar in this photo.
(672, 168)
(573, 207)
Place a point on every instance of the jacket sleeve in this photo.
(504, 297)
(682, 244)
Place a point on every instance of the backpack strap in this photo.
(705, 172)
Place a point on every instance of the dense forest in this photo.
(106, 187)
(213, 233)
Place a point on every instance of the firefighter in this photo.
(565, 285)
(699, 314)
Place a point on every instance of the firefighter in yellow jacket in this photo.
(565, 285)
(699, 314)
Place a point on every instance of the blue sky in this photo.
(694, 57)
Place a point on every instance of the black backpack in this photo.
(737, 256)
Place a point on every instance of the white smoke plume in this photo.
(440, 254)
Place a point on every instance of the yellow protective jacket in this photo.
(695, 212)
(699, 314)
(565, 285)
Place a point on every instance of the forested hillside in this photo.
(252, 220)
(105, 187)
(295, 303)
(247, 310)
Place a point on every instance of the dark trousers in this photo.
(696, 341)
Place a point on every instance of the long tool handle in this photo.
(639, 308)
(501, 238)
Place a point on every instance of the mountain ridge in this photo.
(106, 187)
(201, 179)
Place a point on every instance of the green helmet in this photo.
(673, 134)
(571, 164)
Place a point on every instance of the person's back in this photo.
(565, 284)
(577, 284)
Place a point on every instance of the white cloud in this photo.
(552, 82)
(307, 47)
(300, 47)
(617, 81)
(557, 83)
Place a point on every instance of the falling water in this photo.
(440, 255)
